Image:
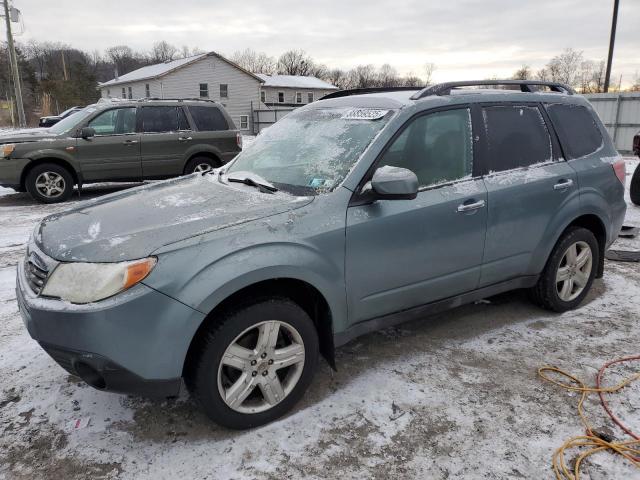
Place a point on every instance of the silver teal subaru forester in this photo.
(356, 212)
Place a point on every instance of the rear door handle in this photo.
(468, 207)
(563, 184)
(130, 142)
(184, 139)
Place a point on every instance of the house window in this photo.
(280, 97)
(108, 92)
(263, 96)
(130, 93)
(224, 90)
(147, 90)
(244, 122)
(309, 97)
(204, 90)
(124, 92)
(298, 97)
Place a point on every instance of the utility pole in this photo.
(612, 40)
(14, 67)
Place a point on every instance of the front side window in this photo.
(204, 90)
(309, 97)
(298, 97)
(311, 151)
(280, 97)
(117, 121)
(224, 90)
(517, 136)
(576, 128)
(162, 119)
(208, 119)
(436, 147)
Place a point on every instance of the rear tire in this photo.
(245, 372)
(569, 272)
(634, 190)
(201, 165)
(49, 183)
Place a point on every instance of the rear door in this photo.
(528, 184)
(166, 136)
(405, 253)
(114, 152)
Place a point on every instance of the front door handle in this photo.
(130, 142)
(563, 184)
(468, 207)
(184, 139)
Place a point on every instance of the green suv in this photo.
(118, 141)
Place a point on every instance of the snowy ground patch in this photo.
(453, 396)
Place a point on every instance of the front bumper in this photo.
(11, 171)
(134, 342)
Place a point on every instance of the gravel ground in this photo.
(453, 396)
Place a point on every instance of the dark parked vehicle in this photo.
(635, 179)
(118, 141)
(353, 213)
(50, 121)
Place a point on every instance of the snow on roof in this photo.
(159, 69)
(295, 81)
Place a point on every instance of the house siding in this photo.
(243, 89)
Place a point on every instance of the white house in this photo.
(208, 75)
(292, 90)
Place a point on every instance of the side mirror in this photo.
(87, 132)
(394, 183)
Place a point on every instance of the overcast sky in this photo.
(464, 38)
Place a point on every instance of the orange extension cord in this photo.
(629, 449)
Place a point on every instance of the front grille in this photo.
(36, 273)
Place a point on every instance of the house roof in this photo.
(161, 69)
(295, 81)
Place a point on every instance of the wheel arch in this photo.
(54, 160)
(301, 292)
(202, 153)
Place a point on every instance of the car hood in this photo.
(134, 223)
(26, 135)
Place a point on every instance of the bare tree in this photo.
(338, 78)
(636, 83)
(565, 67)
(591, 76)
(184, 52)
(255, 62)
(429, 69)
(412, 81)
(163, 52)
(295, 62)
(363, 76)
(387, 76)
(523, 73)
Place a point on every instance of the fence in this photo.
(264, 118)
(620, 113)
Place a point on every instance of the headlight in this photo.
(7, 149)
(90, 282)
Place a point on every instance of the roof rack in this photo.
(525, 86)
(157, 99)
(361, 91)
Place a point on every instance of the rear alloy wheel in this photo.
(254, 364)
(569, 273)
(49, 183)
(200, 165)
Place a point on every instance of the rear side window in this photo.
(576, 128)
(517, 136)
(161, 119)
(208, 119)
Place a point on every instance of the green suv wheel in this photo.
(200, 164)
(49, 183)
(255, 364)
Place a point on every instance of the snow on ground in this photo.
(453, 396)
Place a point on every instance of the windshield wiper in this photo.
(253, 180)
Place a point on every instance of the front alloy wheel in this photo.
(253, 363)
(50, 185)
(574, 271)
(261, 367)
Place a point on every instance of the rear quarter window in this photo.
(208, 119)
(576, 128)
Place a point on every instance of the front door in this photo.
(166, 136)
(528, 185)
(405, 253)
(114, 152)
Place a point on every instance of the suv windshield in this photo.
(311, 150)
(71, 121)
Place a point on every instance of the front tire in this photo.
(634, 190)
(569, 272)
(49, 183)
(254, 365)
(200, 165)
